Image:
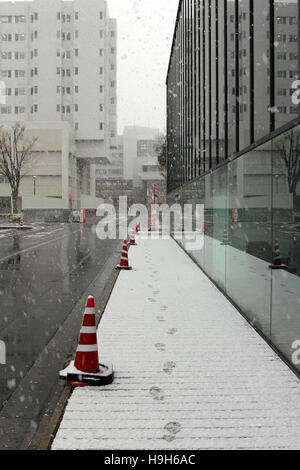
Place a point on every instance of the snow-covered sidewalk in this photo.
(190, 373)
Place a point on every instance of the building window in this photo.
(76, 70)
(76, 108)
(6, 19)
(294, 38)
(6, 37)
(6, 109)
(20, 37)
(20, 19)
(101, 126)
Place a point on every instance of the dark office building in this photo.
(233, 130)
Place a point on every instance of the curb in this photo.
(50, 422)
(32, 427)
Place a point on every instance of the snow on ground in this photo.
(251, 284)
(190, 373)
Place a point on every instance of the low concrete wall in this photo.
(88, 202)
(47, 216)
(44, 203)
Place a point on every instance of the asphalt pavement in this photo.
(44, 273)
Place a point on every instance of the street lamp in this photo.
(34, 184)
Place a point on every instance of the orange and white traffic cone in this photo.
(225, 237)
(277, 264)
(132, 240)
(86, 370)
(124, 264)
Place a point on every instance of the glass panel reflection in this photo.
(286, 229)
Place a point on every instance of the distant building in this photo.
(54, 177)
(58, 63)
(114, 169)
(140, 156)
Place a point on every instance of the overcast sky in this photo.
(145, 33)
(144, 42)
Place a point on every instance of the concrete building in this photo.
(113, 170)
(139, 153)
(54, 177)
(58, 63)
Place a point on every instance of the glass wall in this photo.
(236, 67)
(250, 238)
(285, 324)
(252, 225)
(286, 60)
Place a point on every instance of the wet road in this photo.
(43, 273)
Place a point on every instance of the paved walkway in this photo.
(190, 373)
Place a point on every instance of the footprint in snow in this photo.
(173, 428)
(157, 393)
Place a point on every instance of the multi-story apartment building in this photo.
(114, 169)
(58, 63)
(139, 143)
(233, 132)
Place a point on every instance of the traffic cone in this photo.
(132, 240)
(277, 264)
(124, 258)
(225, 237)
(86, 370)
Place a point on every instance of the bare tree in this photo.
(161, 150)
(15, 151)
(289, 149)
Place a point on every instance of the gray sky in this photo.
(145, 33)
(144, 42)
